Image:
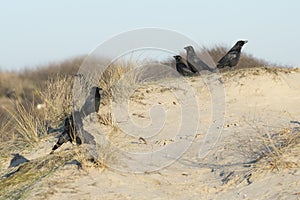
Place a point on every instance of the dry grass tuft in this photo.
(57, 96)
(5, 126)
(275, 151)
(117, 81)
(26, 122)
(110, 80)
(106, 119)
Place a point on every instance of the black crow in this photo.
(232, 57)
(181, 67)
(68, 134)
(73, 124)
(194, 62)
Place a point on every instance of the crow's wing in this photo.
(179, 66)
(187, 72)
(225, 60)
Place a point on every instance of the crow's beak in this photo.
(246, 41)
(174, 56)
(185, 48)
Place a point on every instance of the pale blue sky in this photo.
(37, 32)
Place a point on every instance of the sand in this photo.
(257, 101)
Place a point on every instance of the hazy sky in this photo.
(38, 32)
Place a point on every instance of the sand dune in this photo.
(257, 101)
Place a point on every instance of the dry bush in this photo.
(25, 83)
(41, 74)
(10, 82)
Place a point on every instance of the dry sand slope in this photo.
(258, 102)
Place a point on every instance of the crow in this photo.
(68, 134)
(181, 67)
(73, 124)
(232, 57)
(194, 62)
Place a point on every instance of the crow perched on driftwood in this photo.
(74, 122)
(232, 57)
(194, 62)
(181, 67)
